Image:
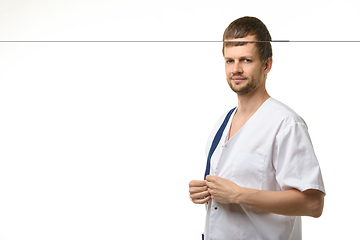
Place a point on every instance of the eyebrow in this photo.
(242, 57)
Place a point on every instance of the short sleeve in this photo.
(294, 158)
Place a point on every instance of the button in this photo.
(226, 146)
(215, 208)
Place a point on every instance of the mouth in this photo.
(238, 79)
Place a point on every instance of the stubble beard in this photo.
(249, 87)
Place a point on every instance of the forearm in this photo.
(290, 202)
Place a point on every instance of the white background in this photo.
(100, 140)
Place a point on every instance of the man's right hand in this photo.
(199, 192)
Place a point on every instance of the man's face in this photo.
(243, 67)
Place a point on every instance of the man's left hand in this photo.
(222, 190)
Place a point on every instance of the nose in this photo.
(237, 68)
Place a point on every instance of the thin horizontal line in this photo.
(143, 41)
(295, 41)
(340, 41)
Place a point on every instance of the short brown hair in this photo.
(245, 26)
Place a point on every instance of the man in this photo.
(264, 173)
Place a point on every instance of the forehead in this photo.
(248, 49)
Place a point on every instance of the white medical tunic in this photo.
(272, 151)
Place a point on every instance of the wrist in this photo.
(239, 195)
(244, 196)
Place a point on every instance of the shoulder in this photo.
(287, 122)
(283, 113)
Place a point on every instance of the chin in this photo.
(244, 90)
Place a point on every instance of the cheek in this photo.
(227, 73)
(227, 70)
(253, 72)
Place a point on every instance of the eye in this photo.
(247, 60)
(229, 61)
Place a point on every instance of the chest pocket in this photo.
(248, 170)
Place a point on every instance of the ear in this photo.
(267, 65)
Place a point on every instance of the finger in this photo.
(210, 185)
(197, 183)
(211, 178)
(202, 201)
(211, 192)
(197, 189)
(200, 195)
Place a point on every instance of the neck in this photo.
(249, 103)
